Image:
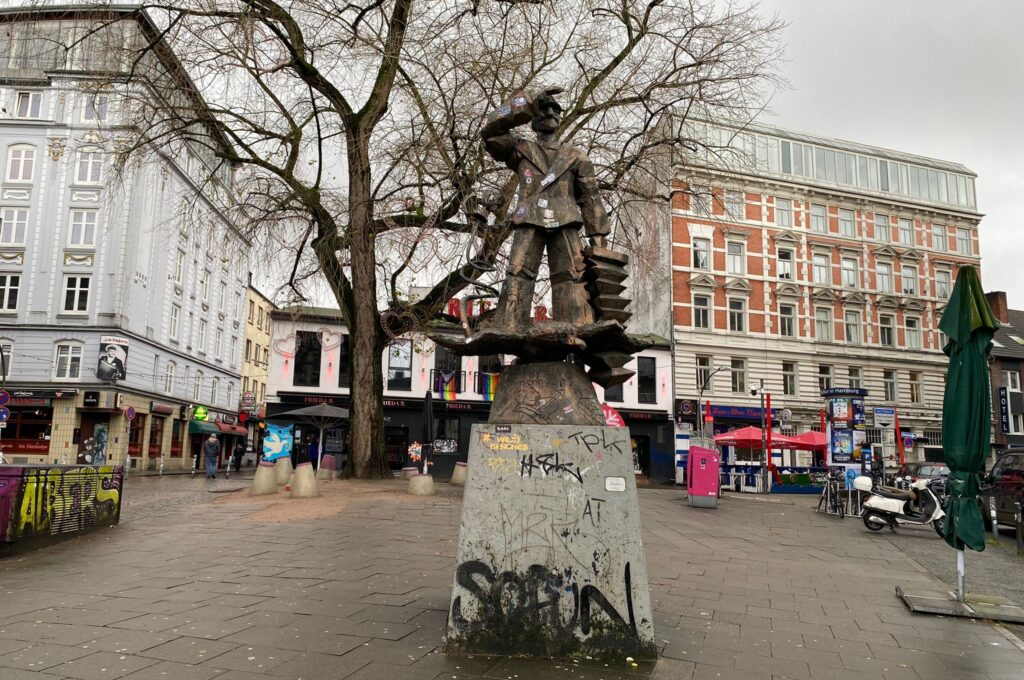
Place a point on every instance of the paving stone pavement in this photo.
(196, 585)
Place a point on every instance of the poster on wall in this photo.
(277, 442)
(113, 360)
(841, 413)
(859, 419)
(842, 447)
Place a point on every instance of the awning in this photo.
(233, 429)
(202, 427)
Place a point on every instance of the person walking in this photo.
(211, 453)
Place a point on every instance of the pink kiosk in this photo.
(702, 479)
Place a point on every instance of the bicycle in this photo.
(830, 497)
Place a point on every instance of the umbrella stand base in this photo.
(944, 602)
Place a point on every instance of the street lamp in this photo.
(700, 396)
(764, 433)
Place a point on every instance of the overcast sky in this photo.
(939, 78)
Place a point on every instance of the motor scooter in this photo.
(887, 506)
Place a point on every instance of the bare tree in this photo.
(353, 127)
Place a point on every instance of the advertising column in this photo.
(846, 430)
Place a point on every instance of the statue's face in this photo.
(548, 118)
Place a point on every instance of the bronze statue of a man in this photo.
(557, 195)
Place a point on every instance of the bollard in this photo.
(1020, 529)
(992, 514)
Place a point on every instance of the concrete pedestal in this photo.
(459, 474)
(421, 485)
(304, 482)
(410, 472)
(282, 470)
(550, 561)
(263, 482)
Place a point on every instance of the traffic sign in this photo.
(5, 397)
(248, 399)
(5, 413)
(884, 416)
(129, 413)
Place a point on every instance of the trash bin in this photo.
(702, 477)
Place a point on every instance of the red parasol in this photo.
(750, 438)
(809, 441)
(612, 418)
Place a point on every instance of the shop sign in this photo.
(1004, 410)
(228, 419)
(29, 401)
(158, 408)
(330, 400)
(91, 399)
(844, 392)
(458, 406)
(42, 394)
(686, 407)
(446, 446)
(393, 403)
(200, 413)
(644, 415)
(738, 412)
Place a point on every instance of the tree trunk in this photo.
(365, 409)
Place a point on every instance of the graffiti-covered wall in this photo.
(43, 501)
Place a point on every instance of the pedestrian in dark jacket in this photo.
(211, 453)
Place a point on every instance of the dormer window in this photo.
(28, 104)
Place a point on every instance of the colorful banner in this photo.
(489, 385)
(446, 385)
(277, 442)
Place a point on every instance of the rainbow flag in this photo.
(489, 385)
(446, 385)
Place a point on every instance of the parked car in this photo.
(911, 472)
(1004, 483)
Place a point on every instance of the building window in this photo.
(215, 391)
(6, 351)
(90, 167)
(238, 305)
(28, 105)
(447, 365)
(882, 228)
(783, 212)
(735, 258)
(886, 330)
(787, 320)
(83, 228)
(906, 232)
(13, 226)
(789, 380)
(916, 390)
(252, 308)
(234, 349)
(307, 359)
(824, 377)
(1011, 380)
(822, 269)
(939, 240)
(179, 267)
(908, 276)
(646, 381)
(21, 162)
(701, 311)
(849, 272)
(9, 286)
(248, 351)
(68, 365)
(400, 366)
(734, 205)
(847, 226)
(913, 333)
(786, 265)
(883, 276)
(701, 253)
(202, 335)
(823, 324)
(175, 321)
(259, 317)
(76, 294)
(704, 373)
(738, 368)
(853, 374)
(700, 200)
(197, 387)
(819, 218)
(95, 108)
(344, 361)
(889, 387)
(963, 241)
(943, 284)
(222, 296)
(737, 315)
(613, 393)
(218, 342)
(851, 322)
(204, 285)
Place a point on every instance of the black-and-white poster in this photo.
(113, 360)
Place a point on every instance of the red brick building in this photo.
(808, 263)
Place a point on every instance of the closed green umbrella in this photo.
(969, 324)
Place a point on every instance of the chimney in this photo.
(997, 301)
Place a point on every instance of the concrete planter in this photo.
(282, 470)
(410, 472)
(304, 484)
(263, 483)
(459, 474)
(421, 485)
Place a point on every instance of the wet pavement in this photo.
(200, 584)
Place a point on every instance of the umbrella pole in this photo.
(320, 451)
(960, 594)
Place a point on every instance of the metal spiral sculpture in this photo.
(477, 212)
